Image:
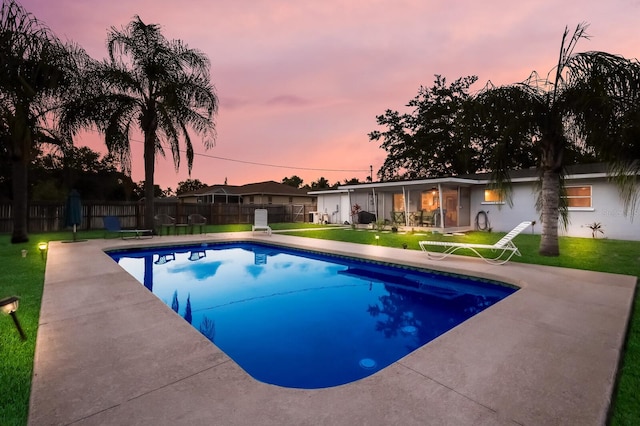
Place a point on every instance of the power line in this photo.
(255, 163)
(280, 166)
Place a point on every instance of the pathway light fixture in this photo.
(9, 305)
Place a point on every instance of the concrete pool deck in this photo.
(108, 352)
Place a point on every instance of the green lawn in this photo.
(24, 277)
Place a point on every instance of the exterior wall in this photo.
(606, 210)
(276, 199)
(332, 205)
(501, 217)
(189, 199)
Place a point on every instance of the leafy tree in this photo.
(294, 181)
(189, 185)
(321, 183)
(139, 191)
(37, 73)
(587, 107)
(433, 139)
(352, 181)
(80, 168)
(161, 86)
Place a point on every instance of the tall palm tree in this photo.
(585, 107)
(37, 72)
(160, 86)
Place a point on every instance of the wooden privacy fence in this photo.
(49, 216)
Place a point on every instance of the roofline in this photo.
(409, 182)
(329, 191)
(449, 180)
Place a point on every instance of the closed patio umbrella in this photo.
(73, 212)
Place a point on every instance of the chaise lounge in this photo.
(260, 221)
(505, 245)
(112, 224)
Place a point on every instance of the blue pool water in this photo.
(306, 320)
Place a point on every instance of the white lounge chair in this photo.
(505, 246)
(260, 221)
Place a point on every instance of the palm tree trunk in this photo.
(550, 213)
(20, 197)
(20, 202)
(149, 170)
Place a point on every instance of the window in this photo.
(429, 200)
(398, 203)
(290, 200)
(492, 196)
(578, 196)
(270, 199)
(251, 199)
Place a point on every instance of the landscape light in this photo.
(43, 249)
(9, 306)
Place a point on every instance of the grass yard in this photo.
(24, 277)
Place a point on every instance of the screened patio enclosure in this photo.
(437, 204)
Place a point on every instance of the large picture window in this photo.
(492, 196)
(578, 196)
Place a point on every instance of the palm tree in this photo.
(37, 72)
(586, 108)
(159, 85)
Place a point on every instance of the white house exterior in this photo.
(466, 202)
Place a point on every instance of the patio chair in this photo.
(164, 221)
(397, 217)
(260, 221)
(505, 246)
(112, 224)
(196, 220)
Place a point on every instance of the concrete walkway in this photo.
(110, 353)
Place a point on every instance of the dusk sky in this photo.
(301, 82)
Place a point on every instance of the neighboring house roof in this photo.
(268, 187)
(271, 187)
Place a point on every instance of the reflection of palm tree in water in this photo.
(148, 272)
(187, 312)
(208, 328)
(175, 305)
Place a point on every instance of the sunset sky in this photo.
(301, 82)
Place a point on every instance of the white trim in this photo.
(581, 209)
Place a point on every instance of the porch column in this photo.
(406, 207)
(440, 206)
(375, 203)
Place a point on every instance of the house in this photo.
(463, 203)
(261, 194)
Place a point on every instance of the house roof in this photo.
(259, 188)
(577, 171)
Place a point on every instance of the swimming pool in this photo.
(302, 319)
